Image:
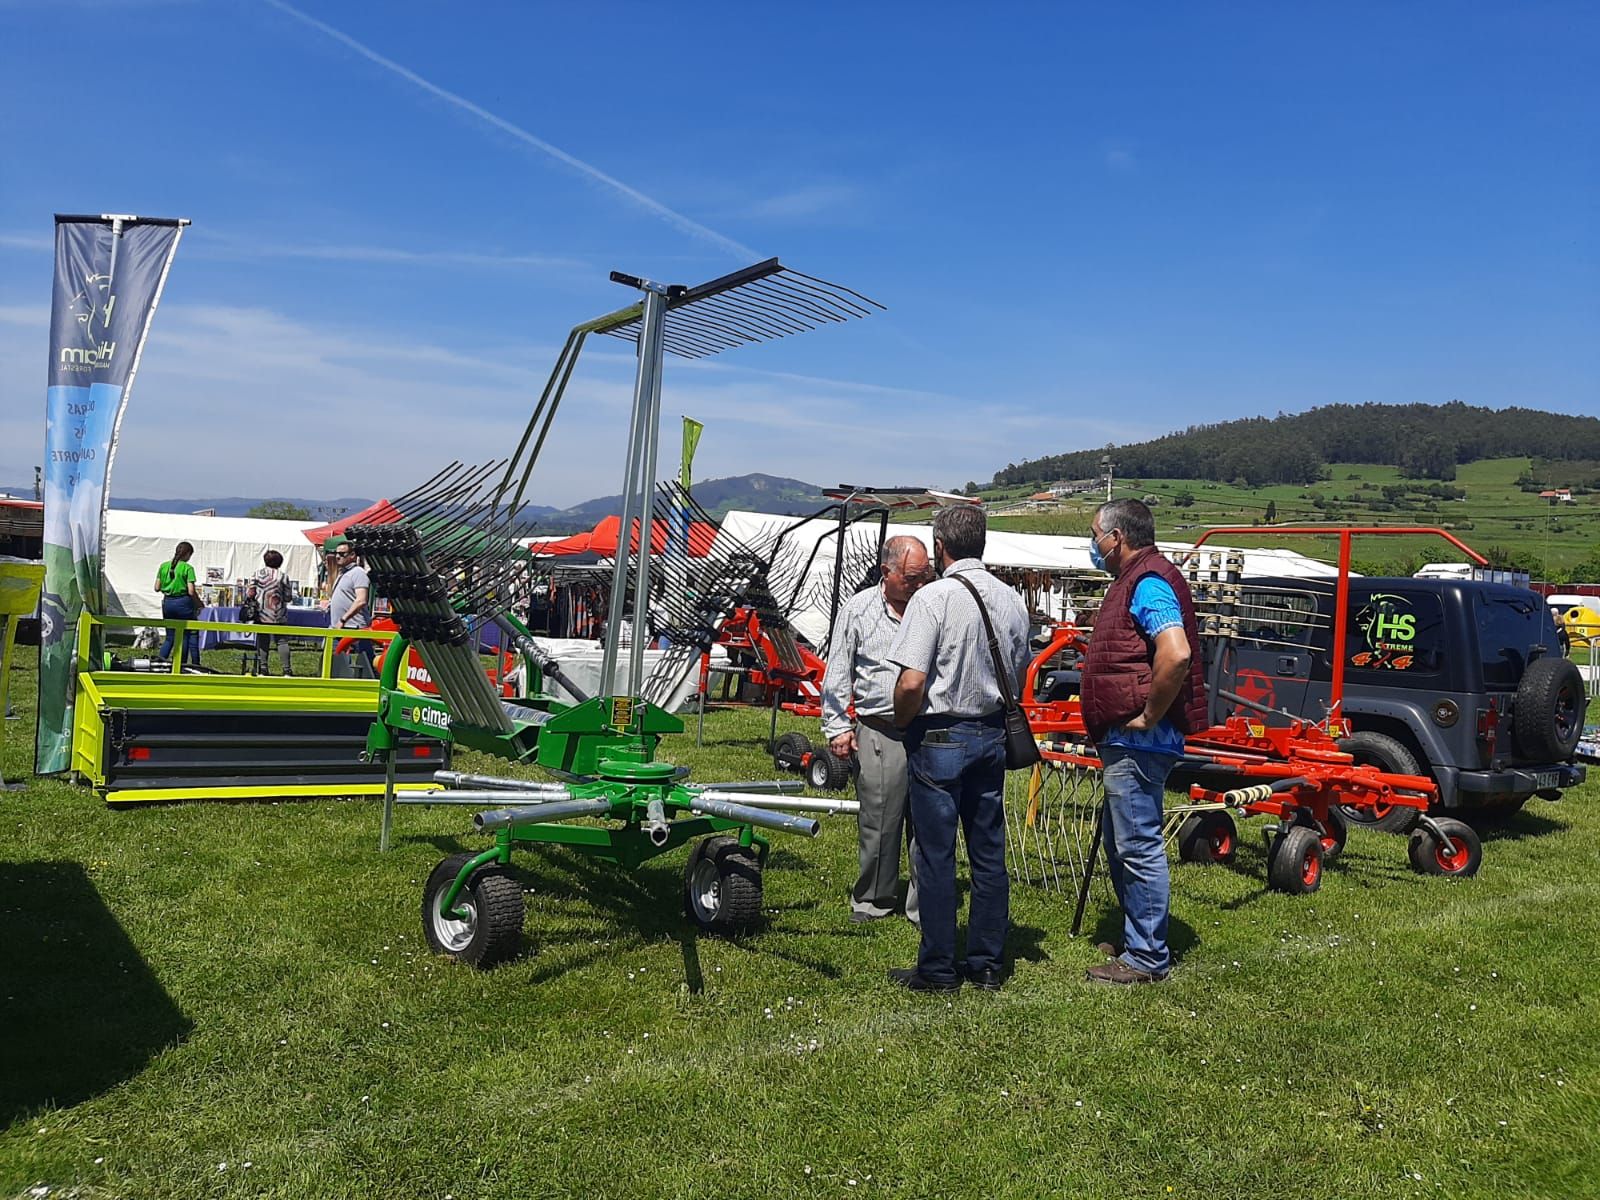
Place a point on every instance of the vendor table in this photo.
(214, 639)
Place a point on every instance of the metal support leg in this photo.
(388, 799)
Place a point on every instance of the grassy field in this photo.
(1493, 514)
(232, 1000)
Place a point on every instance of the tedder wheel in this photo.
(1427, 852)
(1208, 837)
(1334, 833)
(722, 886)
(826, 771)
(1294, 864)
(789, 751)
(1390, 756)
(490, 932)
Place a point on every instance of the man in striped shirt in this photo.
(859, 669)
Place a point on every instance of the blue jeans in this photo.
(181, 608)
(959, 777)
(1136, 854)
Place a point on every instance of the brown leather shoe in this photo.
(1117, 971)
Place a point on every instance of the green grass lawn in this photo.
(1493, 514)
(233, 1000)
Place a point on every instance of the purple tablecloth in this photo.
(215, 639)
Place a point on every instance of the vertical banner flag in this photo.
(691, 439)
(109, 274)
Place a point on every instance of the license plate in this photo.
(1546, 779)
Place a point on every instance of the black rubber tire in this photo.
(1425, 855)
(1294, 865)
(790, 750)
(722, 886)
(826, 771)
(1208, 837)
(1548, 718)
(1334, 834)
(494, 934)
(1392, 757)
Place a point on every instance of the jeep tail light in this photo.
(1488, 728)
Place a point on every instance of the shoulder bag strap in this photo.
(1000, 673)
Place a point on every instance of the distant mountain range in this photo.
(750, 493)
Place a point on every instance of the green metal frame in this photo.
(101, 692)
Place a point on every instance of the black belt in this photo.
(945, 720)
(883, 725)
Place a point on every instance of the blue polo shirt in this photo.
(1155, 610)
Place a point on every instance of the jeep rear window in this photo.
(1277, 618)
(1508, 628)
(1396, 631)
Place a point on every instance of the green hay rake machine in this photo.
(453, 553)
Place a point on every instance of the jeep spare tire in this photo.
(1548, 719)
(1392, 758)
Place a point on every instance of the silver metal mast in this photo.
(637, 492)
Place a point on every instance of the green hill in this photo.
(1493, 506)
(1421, 441)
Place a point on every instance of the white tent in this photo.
(225, 549)
(1025, 551)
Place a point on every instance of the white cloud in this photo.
(247, 401)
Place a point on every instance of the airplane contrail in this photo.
(648, 203)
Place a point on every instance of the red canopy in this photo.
(602, 539)
(381, 513)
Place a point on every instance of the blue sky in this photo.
(1090, 223)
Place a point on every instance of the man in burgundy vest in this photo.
(1142, 691)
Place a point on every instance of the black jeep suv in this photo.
(1458, 679)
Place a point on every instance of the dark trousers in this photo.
(957, 772)
(263, 648)
(181, 608)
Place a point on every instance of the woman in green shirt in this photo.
(180, 601)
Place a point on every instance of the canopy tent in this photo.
(1022, 551)
(225, 549)
(381, 513)
(602, 539)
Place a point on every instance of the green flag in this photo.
(691, 439)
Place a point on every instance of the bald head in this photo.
(904, 564)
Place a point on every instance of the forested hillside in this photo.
(1425, 441)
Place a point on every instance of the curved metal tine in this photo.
(805, 305)
(729, 310)
(686, 324)
(694, 344)
(750, 307)
(776, 303)
(802, 301)
(421, 488)
(710, 327)
(837, 287)
(690, 344)
(420, 498)
(447, 493)
(838, 303)
(715, 311)
(844, 308)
